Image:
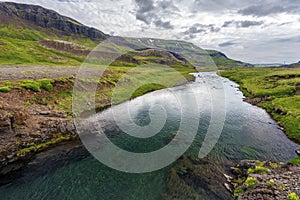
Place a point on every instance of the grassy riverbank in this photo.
(36, 105)
(277, 90)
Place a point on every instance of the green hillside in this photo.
(21, 34)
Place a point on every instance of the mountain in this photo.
(294, 65)
(39, 18)
(222, 60)
(33, 35)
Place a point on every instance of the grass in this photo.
(295, 160)
(19, 46)
(222, 61)
(31, 85)
(280, 86)
(4, 89)
(46, 84)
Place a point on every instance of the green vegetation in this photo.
(258, 170)
(46, 84)
(27, 104)
(238, 191)
(295, 160)
(19, 46)
(222, 61)
(250, 181)
(36, 86)
(31, 85)
(271, 182)
(279, 89)
(57, 138)
(292, 196)
(4, 89)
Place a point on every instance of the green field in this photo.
(280, 87)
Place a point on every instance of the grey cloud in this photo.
(242, 24)
(295, 39)
(220, 5)
(145, 10)
(192, 31)
(265, 10)
(149, 12)
(166, 25)
(226, 44)
(167, 4)
(247, 7)
(74, 1)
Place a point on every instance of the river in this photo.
(248, 133)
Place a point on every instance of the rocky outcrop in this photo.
(44, 18)
(64, 46)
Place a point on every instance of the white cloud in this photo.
(248, 39)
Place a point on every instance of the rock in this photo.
(45, 112)
(228, 187)
(228, 178)
(298, 152)
(70, 128)
(6, 123)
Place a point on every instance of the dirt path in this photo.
(36, 72)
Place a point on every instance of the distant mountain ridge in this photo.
(294, 65)
(36, 25)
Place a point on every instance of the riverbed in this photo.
(248, 132)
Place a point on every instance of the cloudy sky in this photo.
(256, 31)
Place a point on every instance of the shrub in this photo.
(292, 196)
(4, 89)
(250, 182)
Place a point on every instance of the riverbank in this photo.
(36, 112)
(277, 91)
